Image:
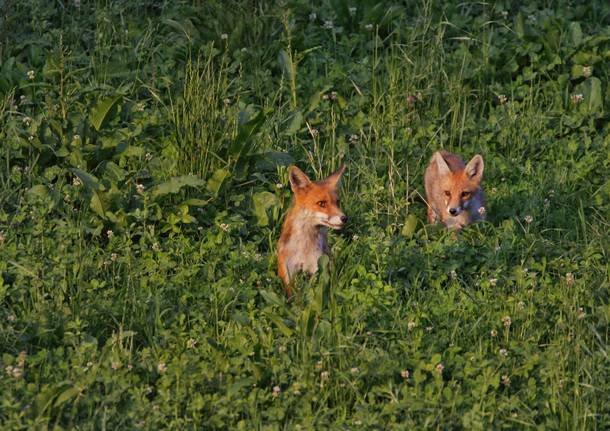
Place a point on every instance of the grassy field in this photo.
(144, 151)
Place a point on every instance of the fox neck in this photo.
(305, 230)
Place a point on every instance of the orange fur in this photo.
(453, 190)
(304, 233)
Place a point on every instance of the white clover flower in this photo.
(506, 321)
(411, 325)
(576, 98)
(493, 282)
(528, 219)
(482, 211)
(140, 106)
(521, 305)
(429, 328)
(355, 237)
(312, 16)
(453, 274)
(502, 99)
(569, 279)
(31, 75)
(352, 11)
(224, 226)
(439, 368)
(224, 36)
(328, 24)
(587, 71)
(109, 233)
(26, 121)
(493, 333)
(505, 380)
(282, 349)
(354, 370)
(353, 139)
(503, 352)
(324, 375)
(148, 157)
(314, 132)
(279, 186)
(581, 313)
(76, 182)
(276, 391)
(140, 188)
(368, 27)
(113, 257)
(226, 101)
(161, 367)
(404, 374)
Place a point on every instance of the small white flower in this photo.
(352, 11)
(276, 391)
(521, 305)
(581, 313)
(411, 325)
(314, 132)
(140, 188)
(354, 370)
(282, 349)
(404, 374)
(439, 368)
(148, 157)
(502, 99)
(31, 75)
(328, 24)
(482, 211)
(161, 367)
(26, 121)
(113, 257)
(493, 333)
(109, 233)
(569, 279)
(226, 101)
(140, 106)
(587, 71)
(576, 98)
(324, 375)
(76, 182)
(224, 36)
(453, 275)
(429, 328)
(313, 16)
(224, 227)
(505, 380)
(503, 352)
(493, 282)
(156, 246)
(353, 139)
(368, 27)
(506, 321)
(279, 186)
(355, 237)
(528, 219)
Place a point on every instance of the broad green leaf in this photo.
(91, 182)
(295, 124)
(410, 225)
(100, 113)
(261, 202)
(96, 205)
(175, 184)
(575, 33)
(38, 191)
(65, 396)
(215, 182)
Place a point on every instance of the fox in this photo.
(454, 193)
(303, 240)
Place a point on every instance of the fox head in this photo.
(459, 186)
(318, 198)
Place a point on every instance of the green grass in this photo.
(143, 183)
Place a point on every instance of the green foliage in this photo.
(143, 182)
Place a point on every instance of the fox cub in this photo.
(314, 210)
(454, 193)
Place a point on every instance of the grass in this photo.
(143, 184)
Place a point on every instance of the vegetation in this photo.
(143, 181)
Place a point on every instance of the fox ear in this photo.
(443, 167)
(474, 168)
(334, 178)
(298, 179)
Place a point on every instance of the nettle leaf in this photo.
(102, 111)
(295, 123)
(591, 89)
(175, 184)
(261, 202)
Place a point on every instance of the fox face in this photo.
(318, 201)
(454, 190)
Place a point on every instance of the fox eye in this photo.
(447, 193)
(322, 204)
(465, 194)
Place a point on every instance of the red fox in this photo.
(454, 192)
(303, 238)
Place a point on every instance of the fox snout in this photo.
(337, 222)
(455, 211)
